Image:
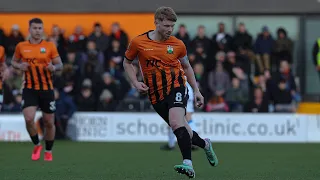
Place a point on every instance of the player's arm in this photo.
(130, 55)
(192, 80)
(189, 73)
(16, 62)
(128, 67)
(57, 63)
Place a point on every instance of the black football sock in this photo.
(49, 145)
(184, 142)
(35, 139)
(197, 140)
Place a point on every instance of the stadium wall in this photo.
(188, 6)
(149, 127)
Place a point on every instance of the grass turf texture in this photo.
(145, 161)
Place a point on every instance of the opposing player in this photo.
(190, 109)
(38, 59)
(165, 67)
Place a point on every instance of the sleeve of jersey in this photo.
(183, 51)
(132, 50)
(17, 53)
(54, 51)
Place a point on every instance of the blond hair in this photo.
(163, 13)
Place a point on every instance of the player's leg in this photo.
(162, 108)
(48, 108)
(29, 108)
(196, 139)
(177, 102)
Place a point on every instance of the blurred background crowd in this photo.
(238, 72)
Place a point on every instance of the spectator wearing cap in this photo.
(118, 34)
(106, 101)
(99, 37)
(184, 36)
(12, 40)
(222, 41)
(263, 49)
(86, 100)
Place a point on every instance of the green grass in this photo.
(144, 161)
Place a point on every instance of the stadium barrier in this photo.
(149, 127)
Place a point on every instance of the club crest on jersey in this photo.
(170, 49)
(42, 50)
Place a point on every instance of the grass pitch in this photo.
(145, 161)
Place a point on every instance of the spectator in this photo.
(201, 78)
(263, 49)
(93, 55)
(218, 81)
(17, 103)
(258, 104)
(90, 73)
(65, 110)
(114, 55)
(283, 47)
(58, 39)
(2, 37)
(242, 39)
(236, 96)
(99, 37)
(106, 101)
(86, 100)
(283, 99)
(118, 34)
(14, 38)
(78, 40)
(183, 35)
(243, 77)
(200, 56)
(201, 38)
(237, 60)
(285, 73)
(316, 56)
(222, 41)
(221, 58)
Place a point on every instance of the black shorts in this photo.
(44, 99)
(178, 97)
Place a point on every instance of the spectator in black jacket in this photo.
(183, 35)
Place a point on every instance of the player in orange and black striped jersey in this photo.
(165, 68)
(38, 59)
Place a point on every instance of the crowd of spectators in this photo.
(235, 73)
